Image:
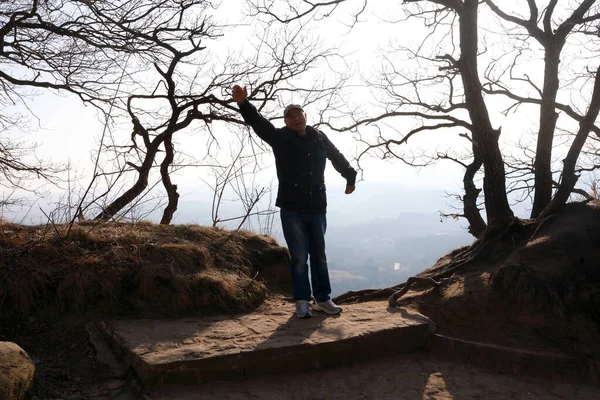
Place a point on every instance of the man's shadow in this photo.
(296, 331)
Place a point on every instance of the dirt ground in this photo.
(413, 376)
(67, 365)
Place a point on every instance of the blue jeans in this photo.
(305, 235)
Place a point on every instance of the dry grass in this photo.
(135, 270)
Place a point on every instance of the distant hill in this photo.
(387, 251)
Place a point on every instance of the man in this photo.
(300, 157)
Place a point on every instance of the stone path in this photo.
(269, 341)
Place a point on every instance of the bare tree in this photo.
(552, 36)
(461, 71)
(182, 95)
(148, 60)
(73, 46)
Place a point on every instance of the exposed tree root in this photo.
(359, 296)
(393, 299)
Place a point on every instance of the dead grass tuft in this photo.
(136, 270)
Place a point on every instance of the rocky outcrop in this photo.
(16, 371)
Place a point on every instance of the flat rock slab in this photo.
(270, 340)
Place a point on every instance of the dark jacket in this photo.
(300, 162)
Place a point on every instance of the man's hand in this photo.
(350, 189)
(239, 94)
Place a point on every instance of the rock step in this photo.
(515, 361)
(269, 341)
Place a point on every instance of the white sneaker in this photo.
(328, 307)
(303, 309)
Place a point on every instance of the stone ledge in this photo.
(269, 341)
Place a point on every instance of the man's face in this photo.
(296, 120)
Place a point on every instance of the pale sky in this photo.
(69, 130)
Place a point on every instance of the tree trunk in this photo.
(569, 179)
(138, 187)
(548, 117)
(484, 136)
(476, 223)
(169, 187)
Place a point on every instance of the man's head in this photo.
(294, 118)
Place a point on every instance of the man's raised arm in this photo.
(262, 126)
